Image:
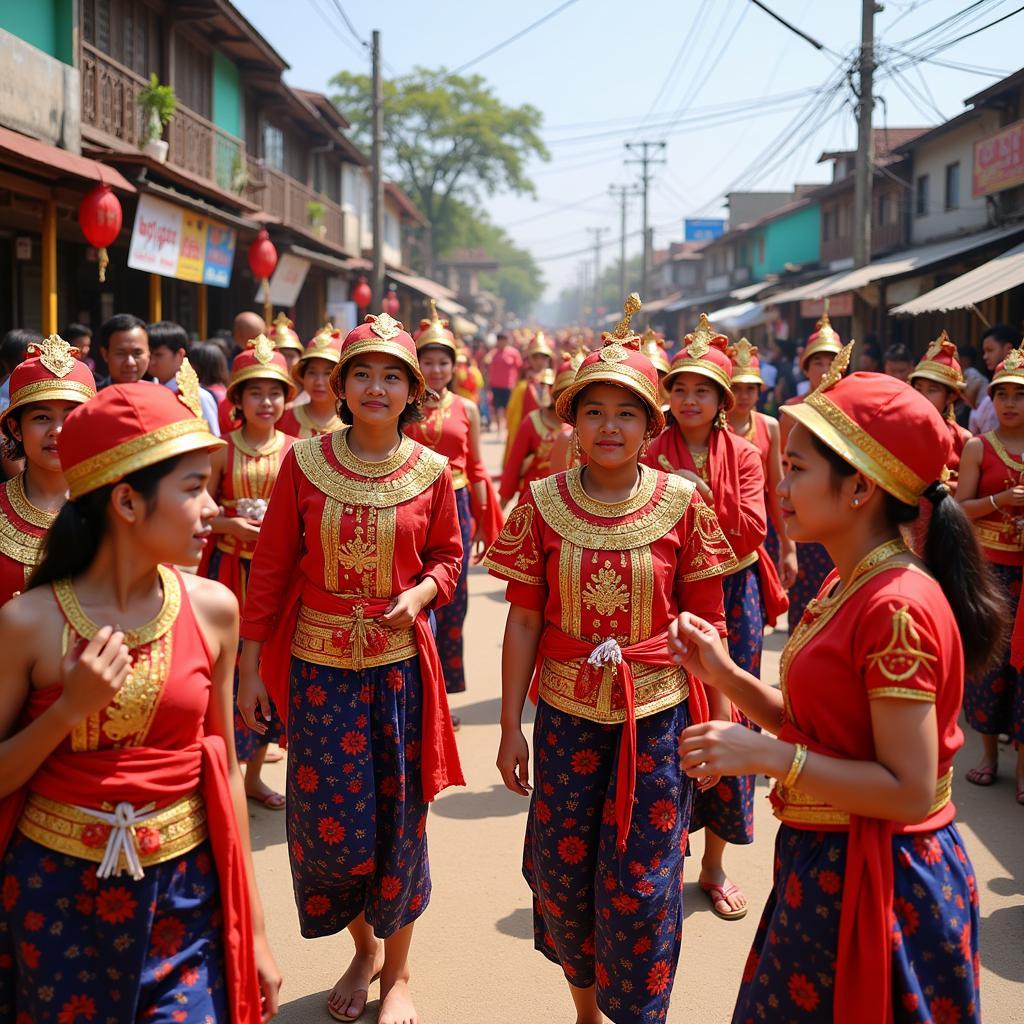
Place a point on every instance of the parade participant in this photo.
(531, 455)
(44, 389)
(762, 431)
(531, 392)
(246, 326)
(874, 911)
(654, 350)
(118, 765)
(503, 372)
(286, 341)
(451, 427)
(813, 563)
(565, 454)
(241, 481)
(313, 372)
(726, 470)
(990, 488)
(598, 560)
(468, 380)
(361, 538)
(938, 377)
(898, 362)
(997, 342)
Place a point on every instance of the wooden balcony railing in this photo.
(297, 206)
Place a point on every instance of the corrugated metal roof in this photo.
(993, 278)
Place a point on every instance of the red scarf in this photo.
(440, 766)
(489, 520)
(560, 646)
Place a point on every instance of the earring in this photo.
(645, 445)
(720, 421)
(576, 444)
(856, 502)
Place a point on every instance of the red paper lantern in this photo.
(262, 256)
(99, 216)
(361, 294)
(390, 303)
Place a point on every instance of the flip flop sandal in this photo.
(341, 1016)
(716, 893)
(272, 801)
(981, 776)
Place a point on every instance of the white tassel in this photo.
(608, 652)
(122, 838)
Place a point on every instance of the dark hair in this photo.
(119, 322)
(167, 334)
(80, 526)
(207, 359)
(236, 393)
(898, 354)
(412, 413)
(13, 449)
(1003, 333)
(952, 555)
(872, 351)
(14, 348)
(75, 331)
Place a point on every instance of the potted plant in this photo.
(315, 211)
(158, 104)
(239, 175)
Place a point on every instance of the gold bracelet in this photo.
(995, 505)
(799, 758)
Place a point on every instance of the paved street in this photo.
(473, 958)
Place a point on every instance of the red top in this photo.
(445, 429)
(1000, 539)
(530, 456)
(22, 530)
(760, 438)
(225, 420)
(296, 423)
(505, 366)
(959, 436)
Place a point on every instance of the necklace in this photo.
(433, 426)
(875, 557)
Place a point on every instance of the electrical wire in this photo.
(348, 23)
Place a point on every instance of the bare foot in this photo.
(396, 1004)
(348, 997)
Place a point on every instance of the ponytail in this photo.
(74, 539)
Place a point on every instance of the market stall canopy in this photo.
(739, 317)
(898, 264)
(17, 150)
(992, 278)
(444, 297)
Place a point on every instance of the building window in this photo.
(884, 202)
(124, 30)
(921, 196)
(193, 76)
(953, 186)
(273, 147)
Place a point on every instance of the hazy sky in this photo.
(730, 90)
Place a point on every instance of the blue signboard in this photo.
(220, 255)
(702, 230)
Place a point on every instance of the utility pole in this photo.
(624, 192)
(865, 165)
(597, 233)
(645, 160)
(377, 284)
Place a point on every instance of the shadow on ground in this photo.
(497, 802)
(518, 924)
(314, 1008)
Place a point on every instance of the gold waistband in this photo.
(999, 534)
(459, 479)
(655, 687)
(233, 546)
(349, 641)
(794, 807)
(70, 830)
(744, 563)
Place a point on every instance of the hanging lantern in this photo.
(390, 303)
(99, 216)
(361, 294)
(262, 261)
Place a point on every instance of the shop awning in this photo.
(748, 291)
(686, 302)
(326, 262)
(444, 297)
(17, 150)
(739, 317)
(655, 305)
(992, 278)
(898, 264)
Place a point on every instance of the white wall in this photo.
(931, 158)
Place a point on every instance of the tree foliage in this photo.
(447, 139)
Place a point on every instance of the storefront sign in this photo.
(999, 161)
(174, 242)
(285, 285)
(838, 305)
(702, 230)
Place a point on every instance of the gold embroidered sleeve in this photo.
(709, 552)
(901, 655)
(516, 554)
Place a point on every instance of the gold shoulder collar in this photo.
(647, 526)
(366, 489)
(272, 448)
(16, 542)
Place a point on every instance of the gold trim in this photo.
(940, 374)
(702, 368)
(600, 372)
(16, 542)
(648, 482)
(901, 693)
(616, 536)
(348, 458)
(358, 641)
(745, 563)
(747, 377)
(65, 829)
(306, 422)
(1014, 463)
(115, 463)
(261, 371)
(999, 535)
(370, 492)
(904, 655)
(57, 390)
(823, 344)
(382, 345)
(272, 447)
(827, 421)
(509, 545)
(714, 544)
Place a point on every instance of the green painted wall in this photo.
(792, 239)
(227, 95)
(44, 24)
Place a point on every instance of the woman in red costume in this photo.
(874, 911)
(726, 470)
(118, 766)
(598, 560)
(564, 454)
(44, 389)
(286, 341)
(762, 432)
(242, 479)
(991, 490)
(451, 427)
(360, 540)
(313, 373)
(939, 378)
(813, 563)
(532, 392)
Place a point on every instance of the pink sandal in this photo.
(721, 893)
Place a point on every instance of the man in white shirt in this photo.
(168, 346)
(997, 343)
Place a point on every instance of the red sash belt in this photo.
(142, 775)
(489, 521)
(863, 984)
(440, 766)
(560, 646)
(772, 593)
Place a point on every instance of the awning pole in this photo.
(49, 258)
(156, 304)
(202, 312)
(977, 312)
